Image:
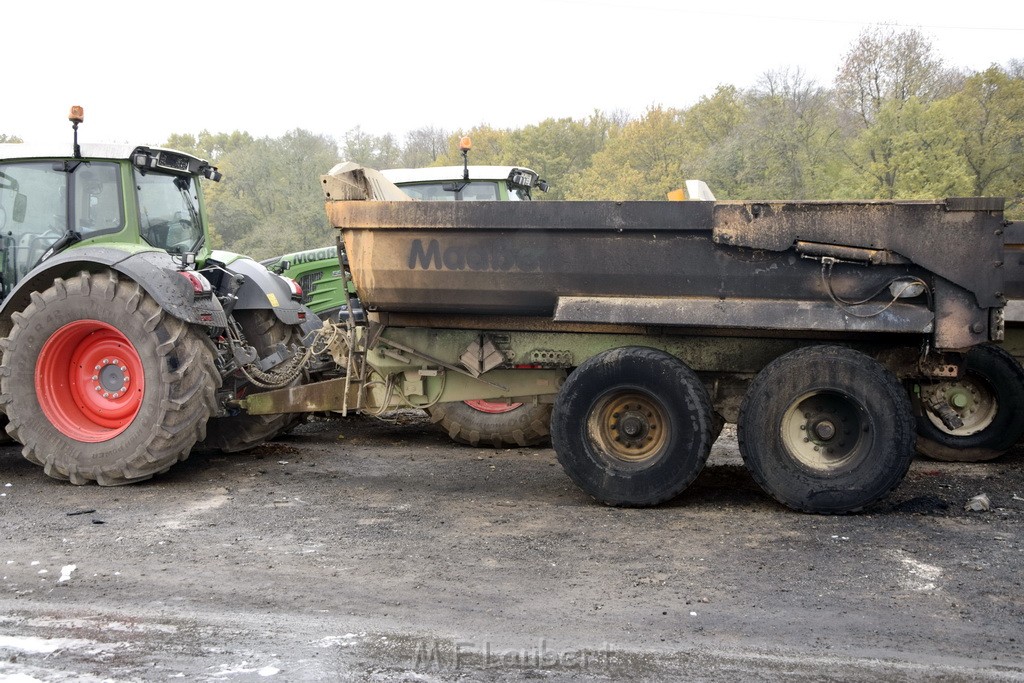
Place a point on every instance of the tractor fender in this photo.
(261, 289)
(155, 271)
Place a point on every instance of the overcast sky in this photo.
(143, 70)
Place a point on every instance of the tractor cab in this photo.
(52, 197)
(467, 183)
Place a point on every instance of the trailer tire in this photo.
(826, 429)
(100, 384)
(992, 391)
(487, 424)
(632, 426)
(236, 433)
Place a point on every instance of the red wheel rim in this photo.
(492, 407)
(89, 381)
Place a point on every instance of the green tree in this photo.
(375, 151)
(886, 65)
(269, 201)
(424, 146)
(790, 137)
(4, 137)
(645, 160)
(560, 149)
(983, 126)
(207, 145)
(885, 71)
(713, 148)
(490, 146)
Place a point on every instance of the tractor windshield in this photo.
(478, 190)
(169, 211)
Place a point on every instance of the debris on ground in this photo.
(980, 503)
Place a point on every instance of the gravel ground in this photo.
(356, 549)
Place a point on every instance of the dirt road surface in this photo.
(361, 550)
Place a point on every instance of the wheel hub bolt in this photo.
(825, 430)
(632, 426)
(111, 380)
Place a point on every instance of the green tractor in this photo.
(329, 293)
(126, 340)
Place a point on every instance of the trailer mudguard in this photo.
(261, 289)
(155, 271)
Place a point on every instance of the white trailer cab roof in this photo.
(446, 173)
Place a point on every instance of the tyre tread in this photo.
(525, 426)
(174, 432)
(830, 356)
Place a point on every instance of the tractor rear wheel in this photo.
(100, 384)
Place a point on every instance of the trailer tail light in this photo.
(200, 285)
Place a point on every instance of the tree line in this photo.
(895, 123)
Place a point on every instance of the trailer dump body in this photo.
(829, 332)
(814, 266)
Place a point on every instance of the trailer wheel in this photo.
(240, 432)
(826, 429)
(989, 398)
(632, 426)
(490, 423)
(100, 384)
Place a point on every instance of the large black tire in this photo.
(826, 429)
(525, 425)
(240, 432)
(989, 398)
(632, 426)
(117, 435)
(5, 438)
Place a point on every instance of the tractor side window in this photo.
(480, 192)
(169, 211)
(98, 206)
(32, 199)
(33, 214)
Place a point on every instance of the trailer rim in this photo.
(825, 430)
(629, 425)
(972, 400)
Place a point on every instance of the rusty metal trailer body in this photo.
(689, 265)
(648, 323)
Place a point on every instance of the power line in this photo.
(769, 17)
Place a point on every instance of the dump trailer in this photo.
(820, 328)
